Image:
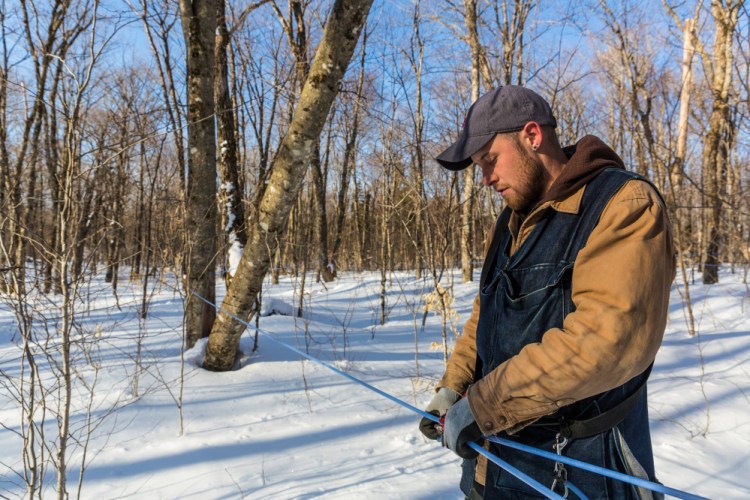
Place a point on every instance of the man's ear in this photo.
(532, 135)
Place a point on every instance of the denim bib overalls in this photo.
(524, 295)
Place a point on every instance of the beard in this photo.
(532, 183)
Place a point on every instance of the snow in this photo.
(234, 253)
(279, 427)
(226, 186)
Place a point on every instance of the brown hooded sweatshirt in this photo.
(586, 159)
(621, 283)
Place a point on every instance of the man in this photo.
(571, 309)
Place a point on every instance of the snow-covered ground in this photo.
(280, 427)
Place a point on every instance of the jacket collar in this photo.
(570, 204)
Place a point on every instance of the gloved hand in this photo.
(461, 429)
(438, 406)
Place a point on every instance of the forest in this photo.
(193, 142)
(137, 138)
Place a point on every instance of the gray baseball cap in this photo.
(504, 109)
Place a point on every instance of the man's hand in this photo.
(443, 399)
(461, 429)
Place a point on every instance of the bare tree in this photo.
(158, 22)
(7, 212)
(54, 42)
(259, 111)
(510, 21)
(677, 171)
(415, 56)
(332, 57)
(199, 28)
(467, 208)
(352, 120)
(234, 232)
(115, 237)
(718, 138)
(67, 218)
(294, 25)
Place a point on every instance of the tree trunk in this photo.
(676, 175)
(321, 218)
(230, 190)
(114, 231)
(418, 160)
(158, 15)
(298, 41)
(467, 209)
(688, 50)
(332, 57)
(55, 175)
(511, 25)
(715, 142)
(30, 148)
(350, 150)
(199, 27)
(359, 223)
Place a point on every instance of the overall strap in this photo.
(579, 429)
(599, 192)
(489, 262)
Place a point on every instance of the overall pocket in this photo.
(526, 288)
(527, 303)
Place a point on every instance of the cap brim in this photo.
(458, 155)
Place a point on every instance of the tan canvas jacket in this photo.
(621, 283)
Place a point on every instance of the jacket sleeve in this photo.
(620, 288)
(459, 373)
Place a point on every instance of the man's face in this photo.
(509, 169)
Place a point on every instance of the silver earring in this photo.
(534, 147)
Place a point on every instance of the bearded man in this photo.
(571, 309)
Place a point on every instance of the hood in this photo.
(586, 159)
